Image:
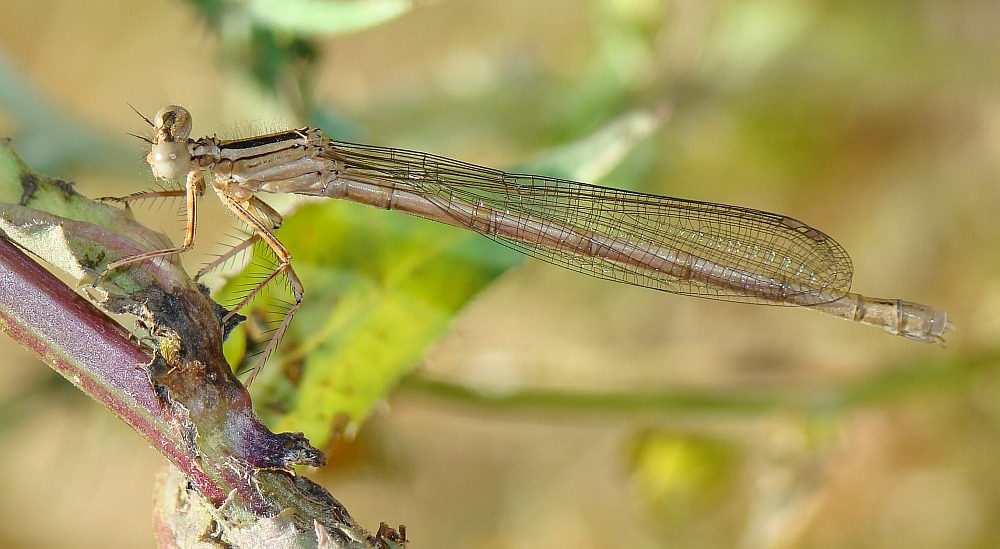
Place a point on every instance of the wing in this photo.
(762, 248)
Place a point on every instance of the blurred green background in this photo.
(559, 410)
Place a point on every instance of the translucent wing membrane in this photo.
(680, 246)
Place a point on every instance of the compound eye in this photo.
(172, 123)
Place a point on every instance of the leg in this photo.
(192, 190)
(270, 214)
(145, 195)
(264, 234)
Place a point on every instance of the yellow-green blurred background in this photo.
(877, 122)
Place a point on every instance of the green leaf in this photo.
(325, 18)
(380, 289)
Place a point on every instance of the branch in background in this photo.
(180, 394)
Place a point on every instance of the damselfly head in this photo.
(169, 157)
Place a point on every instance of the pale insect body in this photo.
(680, 246)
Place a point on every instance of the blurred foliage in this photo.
(274, 41)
